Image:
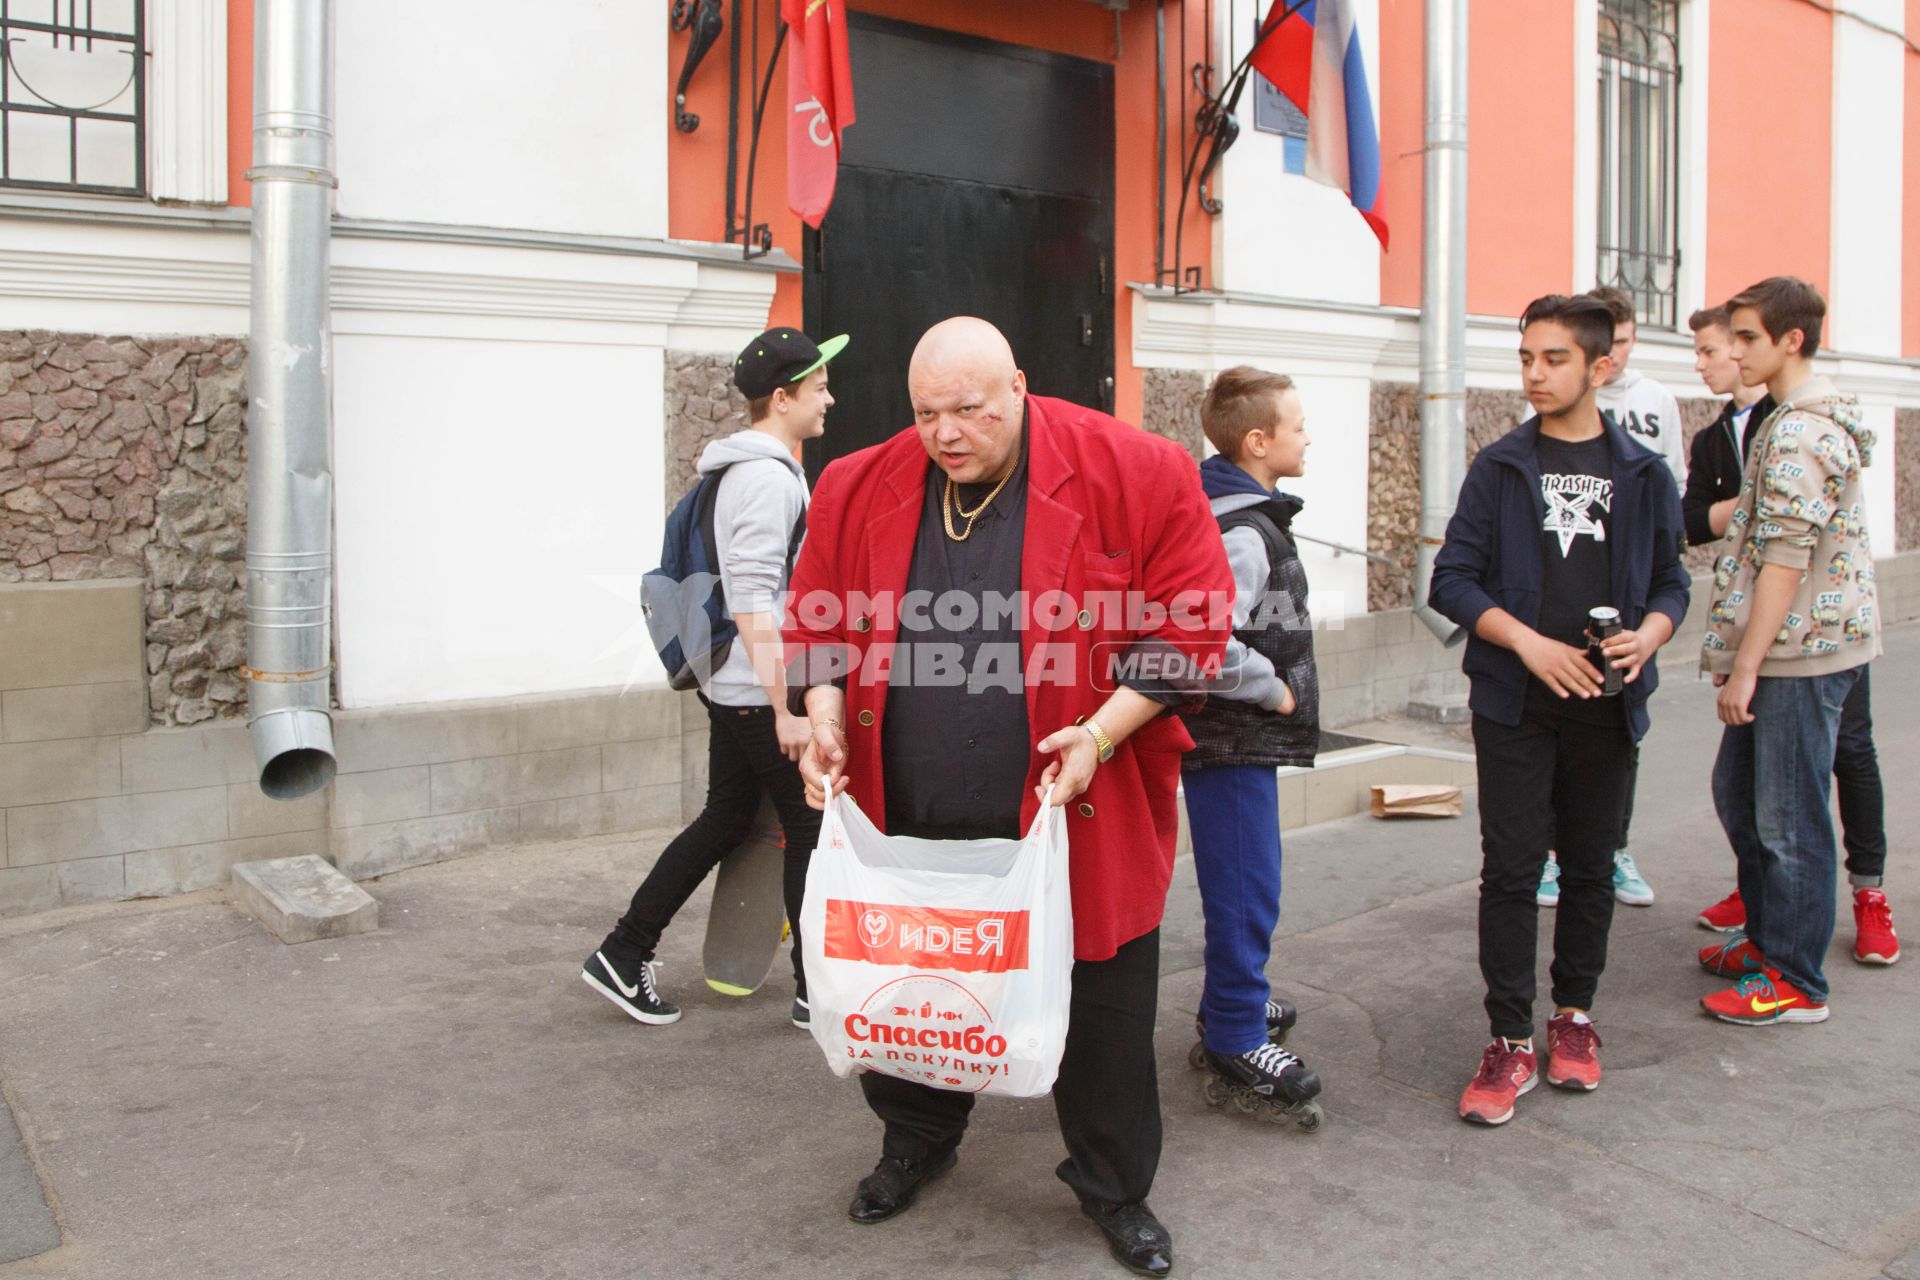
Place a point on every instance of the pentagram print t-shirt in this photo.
(1576, 488)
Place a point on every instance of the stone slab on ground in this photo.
(27, 1225)
(304, 899)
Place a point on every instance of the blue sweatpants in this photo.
(1234, 814)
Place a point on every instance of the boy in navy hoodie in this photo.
(1563, 515)
(1263, 711)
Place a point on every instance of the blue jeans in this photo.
(1233, 812)
(1771, 783)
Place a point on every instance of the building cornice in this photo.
(103, 266)
(1211, 330)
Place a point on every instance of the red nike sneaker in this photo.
(1762, 999)
(1735, 958)
(1571, 1060)
(1506, 1072)
(1726, 915)
(1874, 941)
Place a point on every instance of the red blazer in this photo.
(1111, 509)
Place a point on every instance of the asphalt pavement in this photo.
(444, 1097)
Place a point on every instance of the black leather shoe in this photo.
(1134, 1236)
(893, 1184)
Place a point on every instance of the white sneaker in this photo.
(1628, 884)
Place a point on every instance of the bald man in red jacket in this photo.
(1099, 534)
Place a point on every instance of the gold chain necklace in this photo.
(951, 503)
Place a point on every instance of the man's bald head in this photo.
(968, 398)
(962, 343)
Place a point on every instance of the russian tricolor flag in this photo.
(1313, 57)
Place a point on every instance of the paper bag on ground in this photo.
(944, 962)
(1416, 801)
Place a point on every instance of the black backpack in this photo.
(685, 609)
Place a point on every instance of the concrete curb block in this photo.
(304, 899)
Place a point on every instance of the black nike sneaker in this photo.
(629, 984)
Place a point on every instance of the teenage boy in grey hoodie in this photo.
(1795, 621)
(753, 741)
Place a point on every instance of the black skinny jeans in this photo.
(1856, 775)
(744, 762)
(1550, 782)
(1107, 1097)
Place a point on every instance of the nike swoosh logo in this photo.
(631, 992)
(1768, 1006)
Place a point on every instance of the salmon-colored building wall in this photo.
(1520, 154)
(1769, 144)
(1402, 134)
(1910, 206)
(697, 162)
(1520, 151)
(239, 100)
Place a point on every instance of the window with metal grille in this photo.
(1640, 153)
(73, 95)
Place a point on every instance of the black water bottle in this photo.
(1602, 625)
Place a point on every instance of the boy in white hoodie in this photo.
(1643, 406)
(754, 742)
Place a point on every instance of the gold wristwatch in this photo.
(1102, 743)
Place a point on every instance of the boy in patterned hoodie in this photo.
(1794, 624)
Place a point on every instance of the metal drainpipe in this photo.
(289, 411)
(1443, 299)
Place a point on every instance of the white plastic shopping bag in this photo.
(945, 962)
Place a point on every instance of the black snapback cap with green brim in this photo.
(780, 357)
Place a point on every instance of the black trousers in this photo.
(744, 762)
(1856, 775)
(1558, 782)
(1107, 1097)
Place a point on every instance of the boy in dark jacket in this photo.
(1561, 516)
(1263, 711)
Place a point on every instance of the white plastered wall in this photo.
(1869, 88)
(1869, 92)
(495, 499)
(499, 114)
(1282, 234)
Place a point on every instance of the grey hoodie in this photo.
(761, 497)
(1246, 676)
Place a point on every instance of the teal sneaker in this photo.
(1548, 894)
(1628, 884)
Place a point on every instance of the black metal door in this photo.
(983, 186)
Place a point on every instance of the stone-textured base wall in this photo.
(1906, 482)
(1171, 406)
(126, 458)
(702, 405)
(1393, 493)
(1393, 477)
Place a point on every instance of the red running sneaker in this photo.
(1873, 939)
(1762, 999)
(1735, 958)
(1506, 1072)
(1725, 916)
(1571, 1060)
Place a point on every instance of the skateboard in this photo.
(748, 921)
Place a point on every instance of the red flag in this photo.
(819, 102)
